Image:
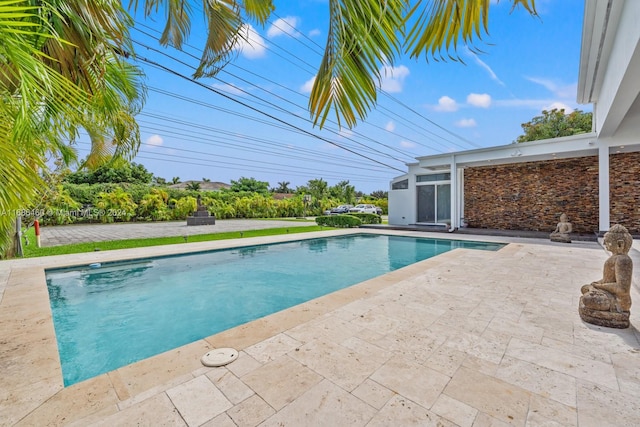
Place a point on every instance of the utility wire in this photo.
(182, 76)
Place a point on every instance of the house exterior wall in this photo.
(624, 204)
(532, 195)
(402, 203)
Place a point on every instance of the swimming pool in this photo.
(118, 313)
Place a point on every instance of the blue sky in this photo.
(196, 131)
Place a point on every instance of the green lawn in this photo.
(31, 251)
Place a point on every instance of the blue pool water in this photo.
(119, 313)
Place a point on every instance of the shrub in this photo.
(339, 221)
(184, 207)
(153, 206)
(117, 205)
(367, 218)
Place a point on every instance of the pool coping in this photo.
(31, 396)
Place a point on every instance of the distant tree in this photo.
(113, 172)
(206, 180)
(342, 191)
(380, 194)
(158, 181)
(175, 180)
(318, 188)
(193, 186)
(251, 185)
(554, 124)
(283, 187)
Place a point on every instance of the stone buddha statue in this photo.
(561, 233)
(607, 301)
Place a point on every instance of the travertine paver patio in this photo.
(469, 338)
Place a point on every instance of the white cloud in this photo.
(283, 26)
(251, 44)
(390, 126)
(308, 85)
(558, 106)
(154, 141)
(484, 65)
(229, 88)
(466, 123)
(522, 103)
(534, 104)
(446, 104)
(393, 78)
(481, 100)
(314, 32)
(407, 144)
(563, 91)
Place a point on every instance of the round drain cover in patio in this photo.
(219, 357)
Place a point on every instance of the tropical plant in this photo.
(318, 188)
(193, 186)
(153, 206)
(283, 187)
(60, 70)
(184, 207)
(58, 207)
(156, 180)
(175, 180)
(343, 192)
(554, 124)
(115, 206)
(117, 171)
(379, 194)
(363, 37)
(249, 185)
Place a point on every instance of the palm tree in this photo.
(362, 37)
(60, 71)
(283, 187)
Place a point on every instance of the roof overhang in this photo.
(601, 18)
(549, 149)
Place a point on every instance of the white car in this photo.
(366, 209)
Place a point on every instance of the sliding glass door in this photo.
(434, 203)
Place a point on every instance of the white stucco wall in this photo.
(402, 203)
(621, 81)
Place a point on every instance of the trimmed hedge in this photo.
(339, 221)
(367, 218)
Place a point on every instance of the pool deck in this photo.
(468, 338)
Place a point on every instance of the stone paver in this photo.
(469, 338)
(79, 233)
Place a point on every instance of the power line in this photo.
(380, 107)
(268, 103)
(182, 76)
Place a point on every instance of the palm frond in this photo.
(363, 36)
(439, 26)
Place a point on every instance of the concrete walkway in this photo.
(467, 338)
(78, 233)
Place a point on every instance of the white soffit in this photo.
(601, 19)
(548, 149)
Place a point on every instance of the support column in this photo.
(603, 186)
(455, 218)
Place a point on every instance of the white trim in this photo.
(603, 188)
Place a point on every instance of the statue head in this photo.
(618, 240)
(563, 218)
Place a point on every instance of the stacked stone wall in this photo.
(532, 195)
(624, 191)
